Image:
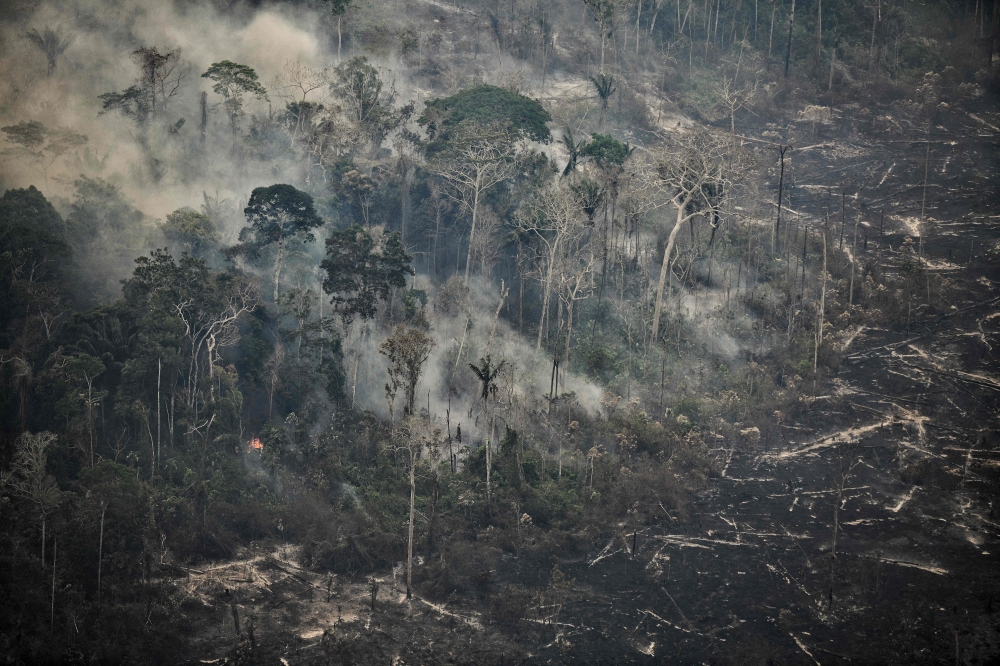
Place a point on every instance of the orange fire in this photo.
(255, 443)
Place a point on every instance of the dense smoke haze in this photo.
(489, 332)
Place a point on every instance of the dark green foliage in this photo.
(361, 270)
(133, 103)
(100, 205)
(605, 87)
(486, 372)
(233, 80)
(29, 134)
(369, 102)
(486, 104)
(29, 223)
(191, 232)
(276, 214)
(116, 492)
(606, 151)
(338, 7)
(573, 148)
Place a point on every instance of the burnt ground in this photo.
(905, 439)
(911, 422)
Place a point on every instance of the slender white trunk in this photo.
(472, 231)
(277, 268)
(658, 305)
(547, 291)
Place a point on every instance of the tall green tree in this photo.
(234, 82)
(190, 231)
(407, 350)
(338, 8)
(484, 105)
(361, 269)
(369, 101)
(277, 215)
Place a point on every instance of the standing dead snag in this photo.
(693, 172)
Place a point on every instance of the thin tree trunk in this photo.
(923, 201)
(788, 53)
(664, 269)
(822, 307)
(781, 184)
(409, 545)
(159, 419)
(547, 293)
(569, 335)
(100, 550)
(833, 63)
(638, 14)
(472, 231)
(204, 119)
(277, 268)
(819, 30)
(854, 263)
(489, 459)
(52, 611)
(770, 38)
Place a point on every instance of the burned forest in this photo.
(357, 332)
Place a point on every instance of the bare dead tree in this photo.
(555, 219)
(478, 158)
(691, 171)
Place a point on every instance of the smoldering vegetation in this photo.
(350, 331)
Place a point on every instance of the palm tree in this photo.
(51, 43)
(487, 374)
(605, 86)
(573, 148)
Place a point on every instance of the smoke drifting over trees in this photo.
(531, 314)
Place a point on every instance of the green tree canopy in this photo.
(234, 81)
(369, 101)
(486, 104)
(606, 151)
(361, 269)
(29, 222)
(190, 231)
(277, 214)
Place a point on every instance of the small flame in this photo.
(255, 443)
